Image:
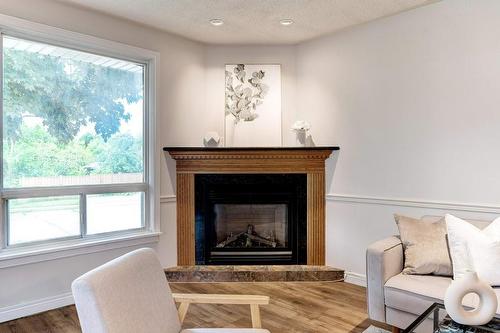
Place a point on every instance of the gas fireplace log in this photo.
(229, 240)
(252, 237)
(261, 240)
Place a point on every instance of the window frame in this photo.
(36, 32)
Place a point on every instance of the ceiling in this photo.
(250, 21)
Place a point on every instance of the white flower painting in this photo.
(253, 105)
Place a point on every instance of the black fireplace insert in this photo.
(251, 219)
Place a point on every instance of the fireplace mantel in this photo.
(203, 160)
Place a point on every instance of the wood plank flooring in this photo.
(295, 307)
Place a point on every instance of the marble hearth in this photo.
(263, 273)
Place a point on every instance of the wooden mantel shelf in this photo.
(192, 148)
(203, 160)
(257, 160)
(246, 152)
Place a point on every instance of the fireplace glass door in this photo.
(251, 226)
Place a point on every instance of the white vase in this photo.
(458, 289)
(211, 139)
(300, 138)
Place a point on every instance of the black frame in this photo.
(289, 189)
(434, 308)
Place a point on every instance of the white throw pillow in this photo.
(473, 249)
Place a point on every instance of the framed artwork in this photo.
(253, 106)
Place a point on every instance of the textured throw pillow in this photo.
(473, 249)
(425, 246)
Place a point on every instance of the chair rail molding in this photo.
(171, 198)
(403, 202)
(418, 203)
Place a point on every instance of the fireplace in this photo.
(271, 163)
(250, 219)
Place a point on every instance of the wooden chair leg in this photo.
(396, 329)
(183, 309)
(255, 312)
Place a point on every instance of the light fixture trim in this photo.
(216, 22)
(286, 22)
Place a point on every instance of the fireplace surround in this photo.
(306, 161)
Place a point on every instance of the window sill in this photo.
(33, 254)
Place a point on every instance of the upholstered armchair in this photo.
(131, 294)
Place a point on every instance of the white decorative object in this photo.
(300, 127)
(211, 139)
(253, 105)
(473, 249)
(458, 289)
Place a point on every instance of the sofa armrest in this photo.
(384, 259)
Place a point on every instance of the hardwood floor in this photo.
(63, 320)
(305, 307)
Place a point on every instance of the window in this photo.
(75, 159)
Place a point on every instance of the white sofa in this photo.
(398, 299)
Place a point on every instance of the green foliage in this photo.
(123, 154)
(66, 94)
(38, 154)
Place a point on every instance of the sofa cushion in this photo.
(425, 247)
(415, 293)
(474, 249)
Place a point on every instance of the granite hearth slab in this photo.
(267, 273)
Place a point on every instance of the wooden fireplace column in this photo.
(191, 161)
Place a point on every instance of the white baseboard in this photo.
(34, 307)
(355, 278)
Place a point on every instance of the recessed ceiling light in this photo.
(216, 22)
(286, 22)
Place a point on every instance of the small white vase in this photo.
(300, 138)
(458, 289)
(211, 139)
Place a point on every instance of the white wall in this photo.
(33, 287)
(413, 102)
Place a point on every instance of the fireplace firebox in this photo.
(250, 219)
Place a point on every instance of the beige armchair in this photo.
(131, 294)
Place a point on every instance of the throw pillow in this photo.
(473, 249)
(425, 246)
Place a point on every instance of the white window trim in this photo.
(70, 248)
(17, 27)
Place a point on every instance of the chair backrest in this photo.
(128, 294)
